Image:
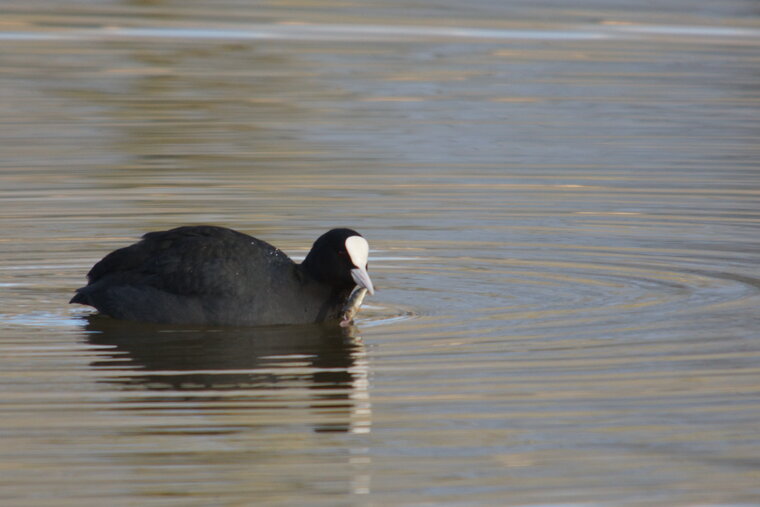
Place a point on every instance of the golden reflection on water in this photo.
(562, 209)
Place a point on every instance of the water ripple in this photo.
(334, 32)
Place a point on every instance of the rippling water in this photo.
(563, 205)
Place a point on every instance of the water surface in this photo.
(563, 205)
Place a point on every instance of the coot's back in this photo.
(207, 275)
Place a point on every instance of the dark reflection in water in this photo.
(250, 368)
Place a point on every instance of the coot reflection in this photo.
(256, 363)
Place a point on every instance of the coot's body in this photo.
(216, 276)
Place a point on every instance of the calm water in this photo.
(563, 204)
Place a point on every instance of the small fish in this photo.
(351, 308)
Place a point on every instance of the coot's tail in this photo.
(80, 297)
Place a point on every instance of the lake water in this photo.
(563, 204)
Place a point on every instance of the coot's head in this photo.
(339, 257)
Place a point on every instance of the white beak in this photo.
(361, 277)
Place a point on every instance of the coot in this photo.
(212, 275)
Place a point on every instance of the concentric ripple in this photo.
(586, 287)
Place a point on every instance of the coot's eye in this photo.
(342, 253)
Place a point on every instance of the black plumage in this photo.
(208, 275)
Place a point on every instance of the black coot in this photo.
(216, 276)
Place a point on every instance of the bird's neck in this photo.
(310, 268)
